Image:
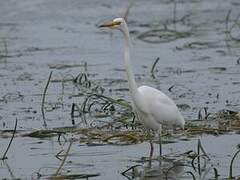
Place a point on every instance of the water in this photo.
(44, 36)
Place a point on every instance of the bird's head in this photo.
(116, 23)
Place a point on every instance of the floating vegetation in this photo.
(65, 66)
(162, 35)
(117, 131)
(75, 176)
(199, 45)
(228, 119)
(12, 97)
(89, 135)
(217, 69)
(44, 133)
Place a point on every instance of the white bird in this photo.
(153, 107)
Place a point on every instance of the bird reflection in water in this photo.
(170, 170)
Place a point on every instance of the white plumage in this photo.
(152, 106)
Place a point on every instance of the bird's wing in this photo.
(159, 106)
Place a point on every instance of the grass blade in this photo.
(14, 131)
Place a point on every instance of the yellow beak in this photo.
(110, 23)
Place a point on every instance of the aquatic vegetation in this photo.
(10, 142)
(162, 35)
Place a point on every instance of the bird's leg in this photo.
(151, 144)
(160, 140)
(151, 153)
(151, 148)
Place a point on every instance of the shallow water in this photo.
(42, 36)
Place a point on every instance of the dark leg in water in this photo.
(160, 143)
(151, 152)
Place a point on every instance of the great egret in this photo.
(153, 108)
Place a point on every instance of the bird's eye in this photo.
(117, 23)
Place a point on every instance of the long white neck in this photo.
(128, 67)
